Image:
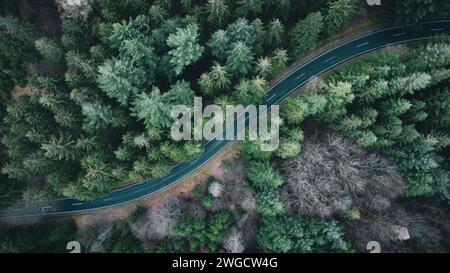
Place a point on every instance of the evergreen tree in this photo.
(338, 13)
(218, 12)
(263, 175)
(185, 47)
(240, 59)
(241, 31)
(305, 34)
(275, 34)
(219, 44)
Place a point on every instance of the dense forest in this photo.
(86, 92)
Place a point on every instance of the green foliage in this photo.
(275, 34)
(50, 50)
(263, 175)
(413, 11)
(61, 148)
(269, 202)
(218, 12)
(394, 105)
(152, 110)
(353, 214)
(200, 234)
(185, 47)
(241, 31)
(240, 59)
(338, 13)
(250, 91)
(305, 34)
(252, 150)
(219, 44)
(300, 234)
(135, 67)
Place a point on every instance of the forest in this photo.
(86, 91)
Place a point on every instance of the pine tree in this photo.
(264, 67)
(246, 7)
(263, 175)
(260, 36)
(339, 12)
(60, 148)
(185, 47)
(152, 110)
(269, 203)
(279, 61)
(241, 31)
(219, 76)
(305, 34)
(240, 59)
(50, 50)
(217, 11)
(206, 84)
(97, 114)
(275, 34)
(219, 44)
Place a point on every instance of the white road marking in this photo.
(329, 59)
(139, 190)
(363, 44)
(303, 74)
(398, 34)
(47, 207)
(437, 29)
(271, 97)
(107, 199)
(77, 204)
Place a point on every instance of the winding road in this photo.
(286, 86)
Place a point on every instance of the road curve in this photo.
(286, 86)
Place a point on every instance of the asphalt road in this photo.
(329, 59)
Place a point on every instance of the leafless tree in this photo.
(332, 174)
(196, 209)
(407, 226)
(248, 201)
(234, 241)
(159, 220)
(75, 9)
(215, 189)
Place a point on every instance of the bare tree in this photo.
(234, 241)
(332, 174)
(159, 220)
(75, 9)
(248, 202)
(215, 189)
(407, 226)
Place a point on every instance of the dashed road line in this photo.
(363, 44)
(329, 59)
(271, 97)
(301, 75)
